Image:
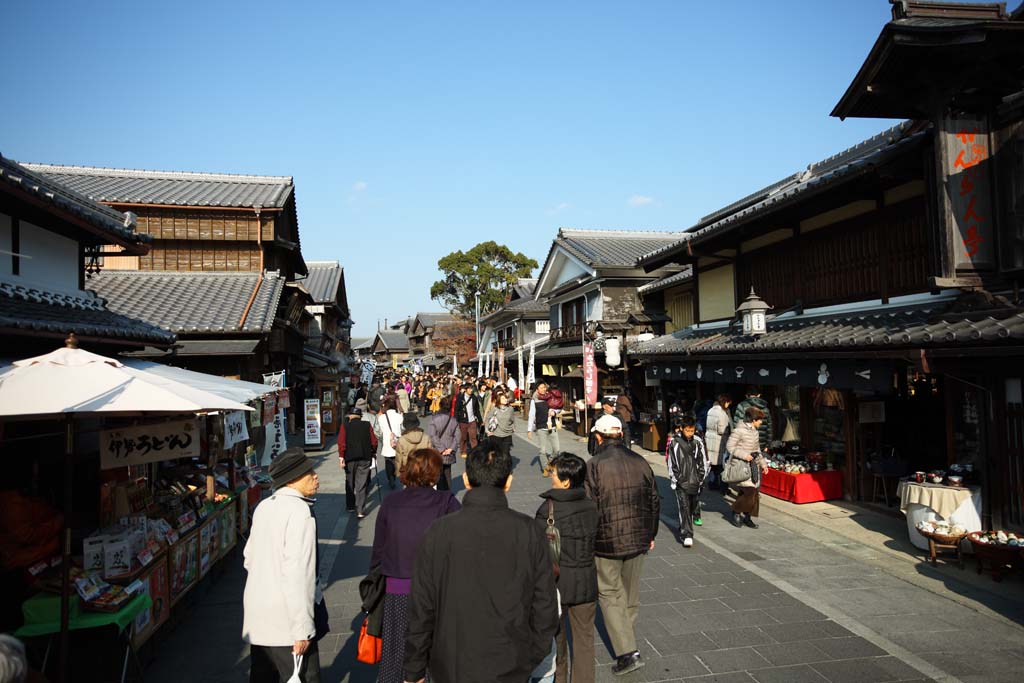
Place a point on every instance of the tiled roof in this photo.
(393, 340)
(34, 310)
(360, 343)
(432, 319)
(613, 248)
(920, 326)
(170, 188)
(525, 287)
(323, 280)
(862, 157)
(192, 302)
(119, 226)
(666, 282)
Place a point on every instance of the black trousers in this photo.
(392, 471)
(275, 664)
(504, 443)
(688, 510)
(357, 485)
(444, 482)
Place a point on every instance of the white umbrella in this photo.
(70, 382)
(234, 389)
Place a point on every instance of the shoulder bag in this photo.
(735, 471)
(554, 537)
(442, 436)
(369, 648)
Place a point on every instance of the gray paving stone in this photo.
(735, 677)
(785, 654)
(794, 613)
(692, 608)
(730, 620)
(900, 671)
(736, 659)
(848, 648)
(867, 670)
(800, 673)
(739, 637)
(787, 633)
(673, 667)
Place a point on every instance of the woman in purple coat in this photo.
(402, 520)
(443, 430)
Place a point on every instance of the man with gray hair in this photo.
(13, 665)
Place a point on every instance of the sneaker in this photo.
(687, 542)
(737, 520)
(627, 663)
(750, 522)
(698, 522)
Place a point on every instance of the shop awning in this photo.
(233, 389)
(202, 347)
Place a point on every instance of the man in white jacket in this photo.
(284, 612)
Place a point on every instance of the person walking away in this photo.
(754, 399)
(482, 604)
(623, 486)
(575, 516)
(402, 521)
(375, 397)
(716, 435)
(484, 394)
(413, 439)
(537, 423)
(501, 421)
(283, 605)
(443, 431)
(467, 412)
(744, 443)
(687, 467)
(357, 449)
(403, 397)
(607, 408)
(390, 421)
(624, 411)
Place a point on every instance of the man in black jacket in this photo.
(482, 604)
(687, 466)
(623, 486)
(357, 449)
(469, 417)
(575, 517)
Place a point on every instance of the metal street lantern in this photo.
(753, 311)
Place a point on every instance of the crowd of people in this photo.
(472, 590)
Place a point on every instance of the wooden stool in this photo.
(934, 545)
(881, 478)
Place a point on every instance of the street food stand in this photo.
(173, 490)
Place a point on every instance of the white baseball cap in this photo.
(607, 425)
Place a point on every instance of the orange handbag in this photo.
(369, 647)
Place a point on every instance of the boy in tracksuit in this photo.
(688, 465)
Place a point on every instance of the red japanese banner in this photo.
(589, 374)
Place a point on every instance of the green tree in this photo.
(489, 268)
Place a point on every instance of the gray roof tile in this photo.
(613, 248)
(393, 340)
(33, 310)
(323, 280)
(119, 226)
(192, 302)
(170, 188)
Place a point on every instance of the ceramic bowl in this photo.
(955, 480)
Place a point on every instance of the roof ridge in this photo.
(614, 232)
(324, 264)
(160, 175)
(269, 274)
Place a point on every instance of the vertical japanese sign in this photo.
(149, 443)
(970, 195)
(501, 365)
(276, 441)
(531, 373)
(312, 430)
(235, 430)
(521, 377)
(589, 374)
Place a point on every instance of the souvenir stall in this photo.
(144, 501)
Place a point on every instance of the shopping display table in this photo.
(958, 505)
(810, 487)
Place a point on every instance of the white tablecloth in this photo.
(968, 515)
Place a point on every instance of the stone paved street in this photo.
(774, 604)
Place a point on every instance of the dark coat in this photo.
(576, 521)
(356, 441)
(402, 520)
(687, 463)
(461, 414)
(483, 605)
(623, 486)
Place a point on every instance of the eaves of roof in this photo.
(658, 285)
(112, 227)
(847, 165)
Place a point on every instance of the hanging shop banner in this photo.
(873, 376)
(276, 441)
(269, 408)
(479, 364)
(149, 443)
(531, 376)
(501, 365)
(284, 399)
(589, 374)
(312, 422)
(235, 429)
(521, 377)
(366, 370)
(275, 380)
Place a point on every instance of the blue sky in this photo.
(416, 128)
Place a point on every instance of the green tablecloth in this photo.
(84, 619)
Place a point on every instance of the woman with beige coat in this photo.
(745, 444)
(413, 439)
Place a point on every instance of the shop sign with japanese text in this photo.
(589, 374)
(235, 430)
(970, 195)
(312, 422)
(149, 443)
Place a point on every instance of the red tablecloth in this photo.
(811, 487)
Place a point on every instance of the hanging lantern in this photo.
(612, 357)
(753, 312)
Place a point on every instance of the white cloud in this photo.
(360, 186)
(640, 200)
(558, 207)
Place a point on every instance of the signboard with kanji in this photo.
(149, 443)
(967, 185)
